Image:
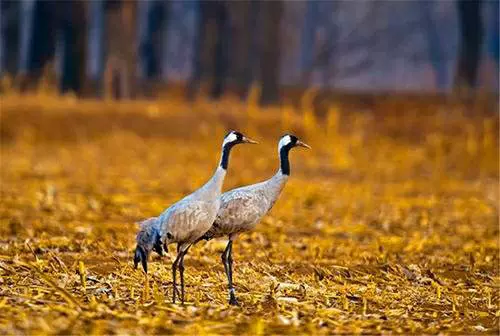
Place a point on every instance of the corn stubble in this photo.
(389, 225)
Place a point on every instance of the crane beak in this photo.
(303, 144)
(249, 141)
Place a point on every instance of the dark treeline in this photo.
(236, 44)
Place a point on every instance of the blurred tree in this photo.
(493, 45)
(181, 37)
(327, 42)
(242, 15)
(71, 20)
(434, 48)
(41, 39)
(251, 72)
(239, 42)
(197, 69)
(121, 53)
(471, 38)
(327, 48)
(210, 57)
(153, 38)
(221, 15)
(46, 24)
(308, 41)
(9, 19)
(272, 12)
(96, 50)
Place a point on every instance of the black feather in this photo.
(144, 263)
(141, 257)
(137, 257)
(157, 246)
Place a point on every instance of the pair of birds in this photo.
(207, 214)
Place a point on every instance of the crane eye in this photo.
(169, 235)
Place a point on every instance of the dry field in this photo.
(389, 225)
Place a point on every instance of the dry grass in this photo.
(389, 225)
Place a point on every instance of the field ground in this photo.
(390, 223)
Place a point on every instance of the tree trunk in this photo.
(434, 49)
(121, 54)
(40, 39)
(251, 70)
(154, 38)
(242, 51)
(327, 54)
(73, 27)
(270, 56)
(10, 14)
(471, 38)
(198, 69)
(221, 49)
(494, 37)
(96, 49)
(210, 57)
(308, 42)
(238, 13)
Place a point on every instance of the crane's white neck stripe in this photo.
(230, 138)
(229, 141)
(284, 141)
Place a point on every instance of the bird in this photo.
(186, 220)
(242, 208)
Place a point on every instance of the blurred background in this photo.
(131, 49)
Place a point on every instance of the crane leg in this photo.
(227, 260)
(174, 274)
(181, 270)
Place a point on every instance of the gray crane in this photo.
(185, 221)
(242, 208)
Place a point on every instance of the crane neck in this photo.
(226, 151)
(213, 188)
(284, 161)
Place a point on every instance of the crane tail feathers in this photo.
(140, 257)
